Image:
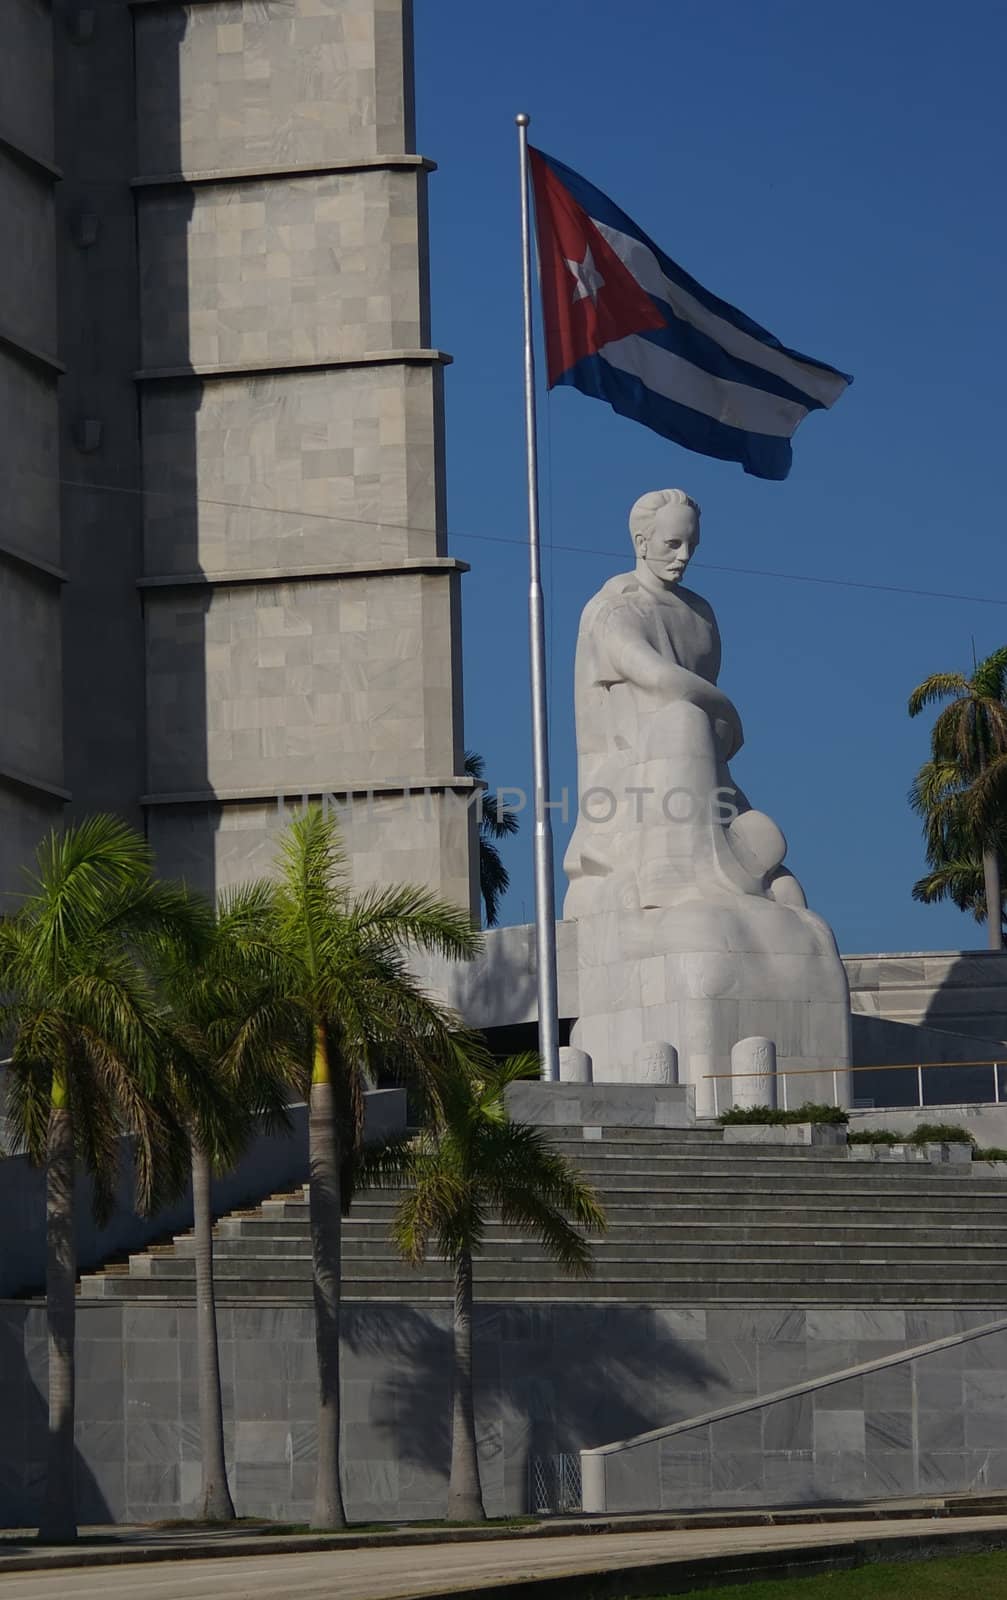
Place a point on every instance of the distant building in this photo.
(214, 330)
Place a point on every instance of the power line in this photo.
(565, 549)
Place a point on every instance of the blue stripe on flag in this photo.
(703, 351)
(761, 455)
(602, 209)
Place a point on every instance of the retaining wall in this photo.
(550, 1378)
(927, 1421)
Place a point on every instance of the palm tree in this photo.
(961, 790)
(496, 821)
(222, 1104)
(345, 1006)
(954, 852)
(88, 1037)
(474, 1161)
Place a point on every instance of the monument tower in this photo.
(241, 595)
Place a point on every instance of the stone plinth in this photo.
(812, 1134)
(704, 976)
(602, 1105)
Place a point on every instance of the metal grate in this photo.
(554, 1484)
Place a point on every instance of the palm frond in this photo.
(408, 914)
(960, 881)
(984, 805)
(494, 881)
(989, 680)
(940, 686)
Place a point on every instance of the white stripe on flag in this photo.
(737, 404)
(825, 387)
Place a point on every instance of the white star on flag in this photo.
(589, 279)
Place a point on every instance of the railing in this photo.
(554, 1484)
(919, 1067)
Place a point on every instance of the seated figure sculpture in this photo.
(691, 929)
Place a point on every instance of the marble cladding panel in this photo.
(305, 469)
(307, 683)
(432, 842)
(271, 82)
(24, 819)
(26, 75)
(29, 462)
(959, 991)
(28, 259)
(31, 726)
(250, 273)
(931, 1425)
(549, 1378)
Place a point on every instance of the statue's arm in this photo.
(630, 658)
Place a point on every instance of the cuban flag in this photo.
(626, 324)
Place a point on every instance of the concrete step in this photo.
(377, 1244)
(810, 1250)
(644, 1290)
(645, 1223)
(622, 1198)
(649, 1227)
(751, 1209)
(692, 1220)
(690, 1138)
(762, 1264)
(834, 1170)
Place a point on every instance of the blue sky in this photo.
(835, 171)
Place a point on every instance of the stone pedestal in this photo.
(753, 1073)
(602, 1105)
(704, 975)
(575, 1066)
(655, 1062)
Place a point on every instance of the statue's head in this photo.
(664, 527)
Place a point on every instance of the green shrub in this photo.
(940, 1133)
(809, 1112)
(926, 1133)
(992, 1153)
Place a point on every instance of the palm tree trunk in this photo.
(58, 1521)
(326, 1248)
(217, 1505)
(465, 1495)
(994, 899)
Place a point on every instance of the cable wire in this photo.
(521, 544)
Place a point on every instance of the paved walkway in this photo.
(389, 1573)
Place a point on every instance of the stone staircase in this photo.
(691, 1220)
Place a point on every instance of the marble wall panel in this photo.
(29, 463)
(326, 265)
(26, 75)
(30, 655)
(559, 1374)
(914, 1427)
(431, 843)
(24, 819)
(277, 82)
(301, 470)
(28, 259)
(301, 685)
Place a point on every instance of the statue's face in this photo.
(671, 545)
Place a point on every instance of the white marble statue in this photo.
(661, 819)
(690, 929)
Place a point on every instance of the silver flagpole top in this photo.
(522, 119)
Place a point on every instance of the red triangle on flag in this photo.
(589, 296)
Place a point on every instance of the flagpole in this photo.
(545, 899)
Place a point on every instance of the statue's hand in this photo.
(729, 733)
